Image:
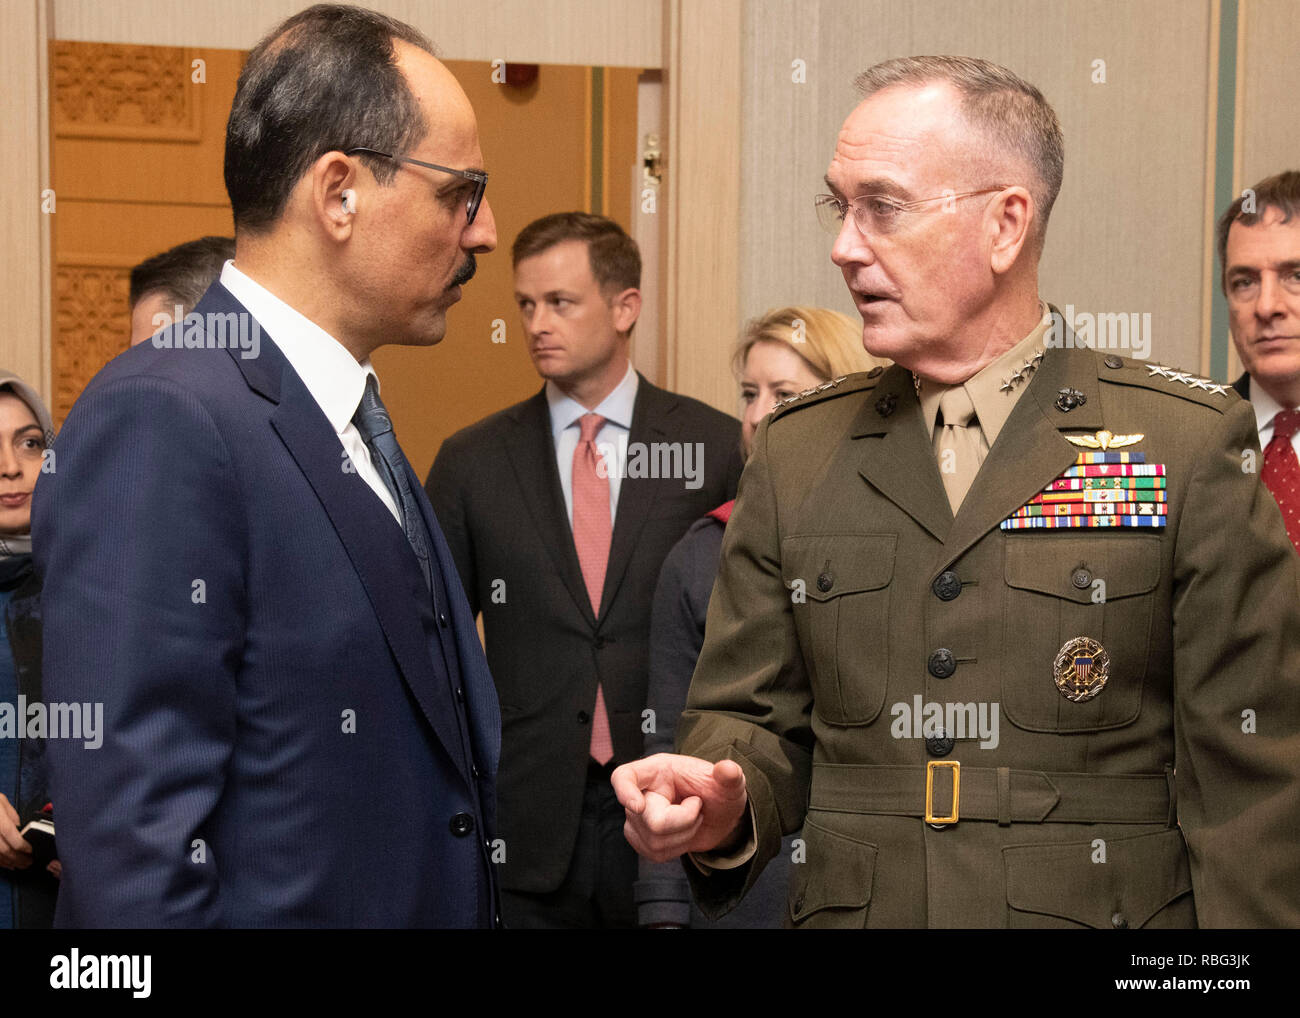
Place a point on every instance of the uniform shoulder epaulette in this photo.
(841, 386)
(1161, 378)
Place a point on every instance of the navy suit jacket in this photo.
(283, 743)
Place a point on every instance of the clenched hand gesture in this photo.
(677, 804)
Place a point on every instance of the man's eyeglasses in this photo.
(477, 177)
(878, 213)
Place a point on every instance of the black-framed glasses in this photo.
(879, 213)
(477, 177)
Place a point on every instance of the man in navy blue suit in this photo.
(299, 724)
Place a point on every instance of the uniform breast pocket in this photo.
(840, 587)
(1077, 629)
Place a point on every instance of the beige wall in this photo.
(608, 33)
(1270, 75)
(24, 174)
(1127, 232)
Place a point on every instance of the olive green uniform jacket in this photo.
(847, 591)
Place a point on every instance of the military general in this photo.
(979, 627)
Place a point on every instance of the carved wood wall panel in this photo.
(92, 321)
(103, 90)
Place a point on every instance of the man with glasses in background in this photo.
(299, 724)
(974, 610)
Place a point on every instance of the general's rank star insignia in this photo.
(1192, 381)
(1104, 440)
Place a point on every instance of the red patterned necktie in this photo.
(1281, 471)
(592, 530)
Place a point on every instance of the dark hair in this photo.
(615, 260)
(325, 79)
(183, 272)
(1280, 191)
(1010, 112)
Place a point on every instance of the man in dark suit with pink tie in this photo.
(559, 512)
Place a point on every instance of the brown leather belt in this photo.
(994, 793)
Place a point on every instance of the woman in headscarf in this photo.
(27, 892)
(780, 355)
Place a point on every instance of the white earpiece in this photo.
(349, 201)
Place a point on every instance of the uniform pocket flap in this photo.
(825, 566)
(836, 872)
(1093, 569)
(1138, 877)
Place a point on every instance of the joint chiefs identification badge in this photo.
(1081, 669)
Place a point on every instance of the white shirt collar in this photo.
(331, 374)
(1266, 407)
(616, 408)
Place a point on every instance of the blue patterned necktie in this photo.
(376, 428)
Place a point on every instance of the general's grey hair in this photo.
(1008, 111)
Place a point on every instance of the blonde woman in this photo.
(779, 355)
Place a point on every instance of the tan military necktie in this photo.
(957, 444)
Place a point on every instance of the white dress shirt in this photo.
(611, 439)
(1266, 409)
(331, 374)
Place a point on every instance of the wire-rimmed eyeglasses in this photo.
(478, 177)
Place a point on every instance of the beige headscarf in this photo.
(21, 544)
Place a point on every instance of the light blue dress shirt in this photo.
(611, 439)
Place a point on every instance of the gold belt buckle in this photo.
(930, 818)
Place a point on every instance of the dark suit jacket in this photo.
(496, 490)
(1242, 385)
(284, 744)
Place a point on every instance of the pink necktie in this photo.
(592, 529)
(1281, 473)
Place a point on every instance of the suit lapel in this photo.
(531, 450)
(484, 709)
(1030, 451)
(897, 456)
(376, 547)
(637, 495)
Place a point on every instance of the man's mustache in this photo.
(466, 272)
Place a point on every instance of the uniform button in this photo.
(939, 745)
(1113, 362)
(460, 693)
(1118, 921)
(1081, 578)
(825, 581)
(946, 586)
(583, 717)
(496, 920)
(798, 902)
(942, 663)
(473, 770)
(442, 619)
(461, 824)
